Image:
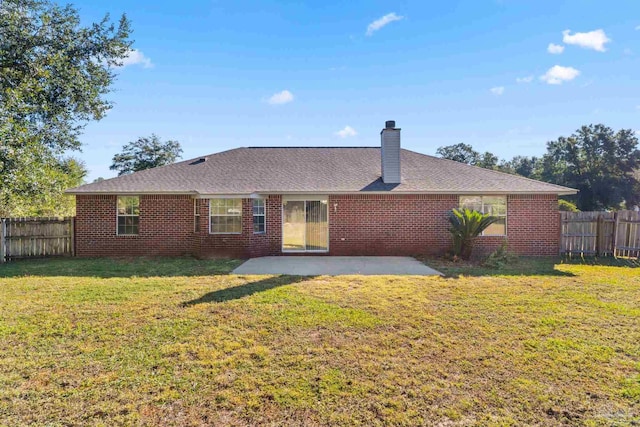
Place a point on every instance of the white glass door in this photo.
(293, 226)
(305, 226)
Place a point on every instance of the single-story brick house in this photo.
(259, 201)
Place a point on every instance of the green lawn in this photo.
(182, 342)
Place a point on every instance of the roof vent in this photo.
(390, 124)
(198, 161)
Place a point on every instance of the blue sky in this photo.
(215, 75)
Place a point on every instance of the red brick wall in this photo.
(269, 243)
(533, 224)
(166, 226)
(389, 224)
(358, 225)
(224, 245)
(417, 224)
(247, 244)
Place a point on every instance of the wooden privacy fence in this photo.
(36, 237)
(600, 233)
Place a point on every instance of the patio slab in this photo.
(336, 266)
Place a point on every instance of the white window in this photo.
(226, 216)
(259, 225)
(492, 205)
(128, 215)
(196, 215)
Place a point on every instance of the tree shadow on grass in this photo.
(118, 267)
(246, 289)
(519, 267)
(527, 266)
(602, 261)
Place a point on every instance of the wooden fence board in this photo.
(36, 237)
(628, 234)
(600, 233)
(2, 239)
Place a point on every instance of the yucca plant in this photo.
(466, 226)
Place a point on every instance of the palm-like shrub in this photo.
(465, 226)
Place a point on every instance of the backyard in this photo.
(183, 342)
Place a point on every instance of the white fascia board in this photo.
(224, 196)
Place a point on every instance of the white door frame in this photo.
(305, 199)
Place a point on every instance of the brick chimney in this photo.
(390, 149)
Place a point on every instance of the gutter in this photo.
(261, 194)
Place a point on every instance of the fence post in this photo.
(72, 228)
(599, 224)
(2, 239)
(561, 238)
(616, 222)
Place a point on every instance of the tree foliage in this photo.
(465, 226)
(39, 189)
(567, 206)
(464, 153)
(146, 153)
(487, 160)
(54, 75)
(602, 164)
(599, 162)
(522, 165)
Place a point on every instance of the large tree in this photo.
(54, 75)
(603, 164)
(464, 153)
(487, 160)
(522, 165)
(39, 187)
(146, 153)
(600, 163)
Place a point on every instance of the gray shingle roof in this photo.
(314, 170)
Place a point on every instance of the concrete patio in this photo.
(336, 266)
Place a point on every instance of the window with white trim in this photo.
(259, 224)
(128, 215)
(226, 216)
(492, 205)
(196, 215)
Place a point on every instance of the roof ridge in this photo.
(315, 146)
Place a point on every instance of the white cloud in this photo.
(280, 98)
(498, 90)
(527, 79)
(558, 74)
(555, 49)
(595, 39)
(136, 57)
(379, 23)
(346, 132)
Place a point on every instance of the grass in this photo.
(181, 342)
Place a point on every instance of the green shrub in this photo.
(466, 226)
(567, 206)
(501, 257)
